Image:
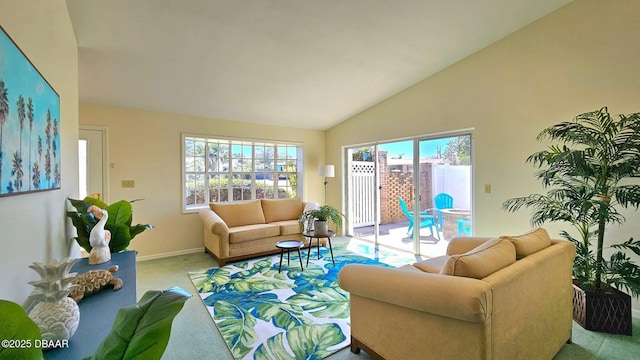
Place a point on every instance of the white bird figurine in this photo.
(99, 237)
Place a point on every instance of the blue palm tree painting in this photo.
(29, 125)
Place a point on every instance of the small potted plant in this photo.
(318, 219)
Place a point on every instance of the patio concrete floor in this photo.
(394, 235)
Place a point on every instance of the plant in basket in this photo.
(589, 177)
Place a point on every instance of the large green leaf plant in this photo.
(118, 222)
(140, 331)
(20, 333)
(589, 176)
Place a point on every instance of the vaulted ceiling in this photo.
(300, 63)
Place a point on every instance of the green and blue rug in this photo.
(265, 314)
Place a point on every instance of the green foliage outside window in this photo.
(256, 170)
(458, 150)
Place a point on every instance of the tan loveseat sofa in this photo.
(240, 230)
(478, 302)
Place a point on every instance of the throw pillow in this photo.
(530, 242)
(281, 209)
(481, 261)
(239, 213)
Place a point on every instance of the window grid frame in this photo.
(242, 174)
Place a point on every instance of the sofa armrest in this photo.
(216, 235)
(455, 297)
(461, 245)
(214, 223)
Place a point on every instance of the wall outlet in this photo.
(487, 188)
(128, 183)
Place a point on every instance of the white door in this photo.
(93, 162)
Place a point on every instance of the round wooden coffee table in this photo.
(312, 235)
(289, 245)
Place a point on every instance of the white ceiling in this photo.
(299, 63)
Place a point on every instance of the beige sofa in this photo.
(240, 230)
(478, 302)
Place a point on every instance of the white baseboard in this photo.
(169, 254)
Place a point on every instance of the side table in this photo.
(312, 235)
(289, 245)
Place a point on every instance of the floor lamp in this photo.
(327, 171)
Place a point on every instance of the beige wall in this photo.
(577, 59)
(145, 146)
(32, 226)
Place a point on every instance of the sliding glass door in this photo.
(445, 191)
(393, 187)
(381, 193)
(397, 195)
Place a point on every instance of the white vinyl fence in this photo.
(363, 180)
(454, 180)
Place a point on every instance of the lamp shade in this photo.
(326, 171)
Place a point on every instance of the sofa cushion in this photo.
(281, 209)
(239, 213)
(433, 265)
(530, 242)
(288, 227)
(252, 232)
(482, 261)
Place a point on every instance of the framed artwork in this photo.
(29, 125)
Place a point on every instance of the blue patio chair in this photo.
(440, 202)
(426, 220)
(464, 227)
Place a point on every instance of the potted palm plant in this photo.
(319, 218)
(591, 175)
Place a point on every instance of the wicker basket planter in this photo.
(608, 311)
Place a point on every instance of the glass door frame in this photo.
(348, 199)
(471, 200)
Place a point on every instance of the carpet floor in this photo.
(195, 336)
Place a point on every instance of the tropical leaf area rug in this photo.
(265, 314)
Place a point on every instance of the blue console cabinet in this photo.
(98, 311)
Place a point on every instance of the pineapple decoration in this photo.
(56, 314)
